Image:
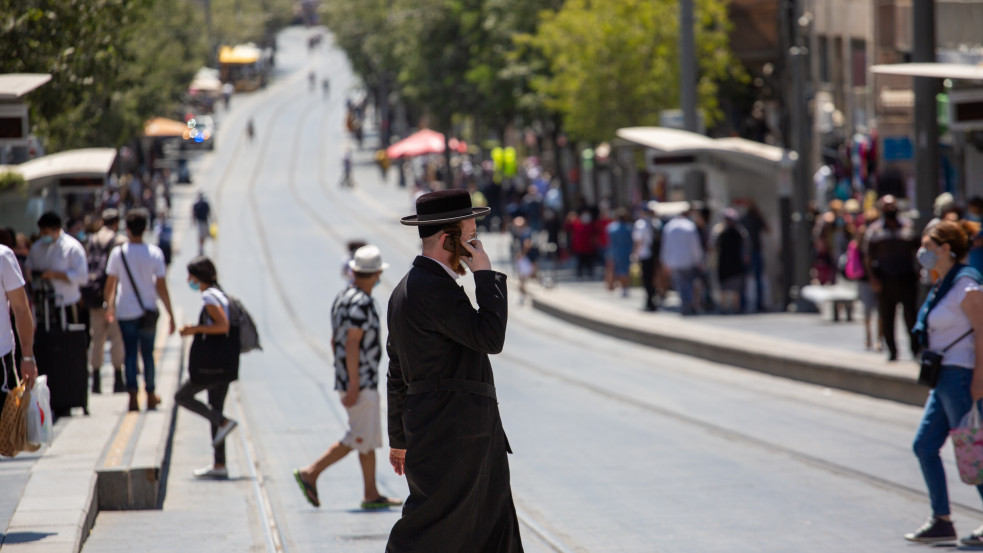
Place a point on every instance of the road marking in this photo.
(118, 448)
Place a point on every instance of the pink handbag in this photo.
(967, 440)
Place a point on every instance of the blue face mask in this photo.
(47, 239)
(81, 236)
(377, 283)
(194, 285)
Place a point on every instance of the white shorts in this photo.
(364, 422)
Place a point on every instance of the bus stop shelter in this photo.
(68, 183)
(734, 170)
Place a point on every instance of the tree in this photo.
(614, 63)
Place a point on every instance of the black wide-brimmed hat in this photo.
(442, 207)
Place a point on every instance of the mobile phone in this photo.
(453, 244)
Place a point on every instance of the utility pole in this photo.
(926, 122)
(801, 142)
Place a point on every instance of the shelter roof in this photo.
(15, 85)
(936, 70)
(85, 162)
(748, 153)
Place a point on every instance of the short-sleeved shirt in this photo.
(947, 322)
(353, 308)
(10, 279)
(146, 262)
(214, 296)
(65, 255)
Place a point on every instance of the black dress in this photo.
(442, 410)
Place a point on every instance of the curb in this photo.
(774, 356)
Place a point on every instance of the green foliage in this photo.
(614, 63)
(12, 180)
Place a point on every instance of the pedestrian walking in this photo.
(250, 130)
(855, 269)
(647, 242)
(445, 431)
(15, 312)
(949, 325)
(356, 342)
(213, 363)
(756, 225)
(889, 250)
(346, 170)
(620, 247)
(202, 213)
(134, 282)
(98, 248)
(682, 255)
(729, 243)
(582, 237)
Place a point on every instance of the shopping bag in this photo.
(39, 413)
(967, 440)
(213, 230)
(13, 422)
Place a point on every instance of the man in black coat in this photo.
(445, 430)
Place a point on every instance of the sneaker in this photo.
(975, 539)
(211, 472)
(934, 530)
(223, 431)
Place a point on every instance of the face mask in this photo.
(194, 285)
(47, 239)
(927, 258)
(975, 217)
(377, 283)
(80, 236)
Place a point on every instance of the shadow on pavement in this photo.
(25, 537)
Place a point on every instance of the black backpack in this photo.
(93, 291)
(239, 317)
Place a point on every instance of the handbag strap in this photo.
(132, 282)
(957, 340)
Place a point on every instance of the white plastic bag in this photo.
(39, 413)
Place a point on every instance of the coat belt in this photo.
(451, 385)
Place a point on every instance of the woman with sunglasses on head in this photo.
(950, 325)
(213, 363)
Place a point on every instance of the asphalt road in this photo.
(618, 448)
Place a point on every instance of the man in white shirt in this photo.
(14, 300)
(134, 280)
(58, 260)
(645, 235)
(682, 256)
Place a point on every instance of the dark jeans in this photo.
(895, 290)
(648, 282)
(585, 265)
(946, 406)
(185, 397)
(137, 341)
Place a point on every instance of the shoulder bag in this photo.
(214, 358)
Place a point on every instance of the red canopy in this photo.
(422, 143)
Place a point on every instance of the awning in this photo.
(239, 54)
(15, 85)
(747, 153)
(422, 143)
(934, 70)
(160, 127)
(86, 162)
(206, 80)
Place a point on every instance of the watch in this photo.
(30, 358)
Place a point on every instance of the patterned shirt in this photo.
(354, 308)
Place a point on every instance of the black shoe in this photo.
(975, 539)
(892, 356)
(935, 530)
(119, 385)
(96, 382)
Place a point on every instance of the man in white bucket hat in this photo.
(357, 350)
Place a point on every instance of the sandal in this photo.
(309, 491)
(381, 502)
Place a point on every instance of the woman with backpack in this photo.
(213, 362)
(949, 330)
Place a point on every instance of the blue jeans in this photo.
(682, 281)
(135, 340)
(946, 405)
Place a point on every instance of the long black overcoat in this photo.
(456, 451)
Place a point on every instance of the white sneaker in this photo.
(223, 431)
(211, 472)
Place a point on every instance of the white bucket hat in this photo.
(367, 259)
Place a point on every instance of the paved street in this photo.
(618, 447)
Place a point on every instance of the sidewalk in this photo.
(807, 347)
